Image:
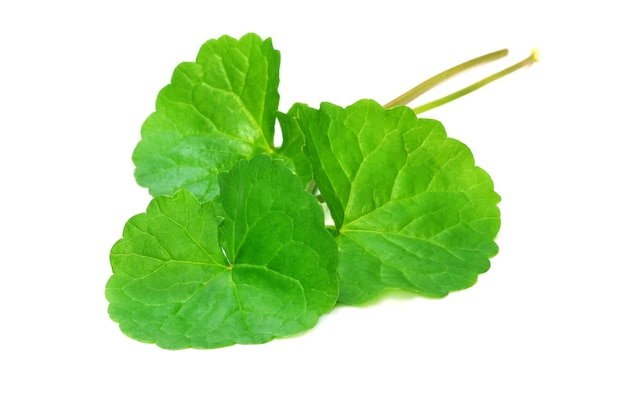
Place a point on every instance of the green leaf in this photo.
(216, 110)
(292, 147)
(411, 209)
(186, 277)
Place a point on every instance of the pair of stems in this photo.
(423, 87)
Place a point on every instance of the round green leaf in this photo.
(216, 110)
(186, 277)
(411, 208)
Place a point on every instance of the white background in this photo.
(78, 79)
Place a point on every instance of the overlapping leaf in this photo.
(216, 110)
(186, 277)
(411, 208)
(233, 250)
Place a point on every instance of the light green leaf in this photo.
(412, 211)
(216, 110)
(272, 276)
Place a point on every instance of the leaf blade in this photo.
(412, 210)
(175, 286)
(215, 111)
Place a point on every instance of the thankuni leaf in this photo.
(216, 110)
(411, 209)
(174, 286)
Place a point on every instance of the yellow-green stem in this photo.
(533, 58)
(423, 87)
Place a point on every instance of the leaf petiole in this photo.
(428, 84)
(311, 187)
(533, 58)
